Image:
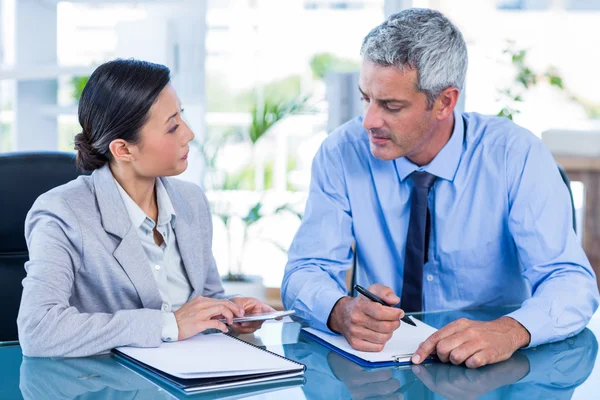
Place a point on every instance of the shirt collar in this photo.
(445, 163)
(166, 212)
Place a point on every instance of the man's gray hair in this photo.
(423, 40)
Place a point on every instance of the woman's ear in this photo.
(121, 151)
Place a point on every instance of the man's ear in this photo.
(120, 151)
(446, 102)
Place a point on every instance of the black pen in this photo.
(376, 299)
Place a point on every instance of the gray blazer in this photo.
(88, 287)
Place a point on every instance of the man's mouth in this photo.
(379, 139)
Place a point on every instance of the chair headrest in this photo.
(23, 178)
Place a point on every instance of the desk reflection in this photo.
(549, 371)
(102, 377)
(83, 378)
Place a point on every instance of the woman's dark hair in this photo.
(114, 104)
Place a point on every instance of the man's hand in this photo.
(250, 306)
(366, 325)
(474, 343)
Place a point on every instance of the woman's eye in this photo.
(173, 129)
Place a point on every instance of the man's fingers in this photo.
(359, 334)
(448, 344)
(363, 345)
(427, 347)
(478, 359)
(385, 293)
(381, 313)
(487, 355)
(382, 326)
(460, 353)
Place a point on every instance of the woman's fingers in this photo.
(234, 308)
(212, 324)
(216, 310)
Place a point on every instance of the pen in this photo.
(376, 299)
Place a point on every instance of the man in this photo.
(446, 210)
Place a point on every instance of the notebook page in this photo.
(404, 342)
(207, 356)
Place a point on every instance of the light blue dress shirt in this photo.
(501, 229)
(164, 261)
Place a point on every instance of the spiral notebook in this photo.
(397, 351)
(209, 362)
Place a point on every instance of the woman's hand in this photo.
(250, 306)
(203, 313)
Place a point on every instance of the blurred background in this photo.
(263, 82)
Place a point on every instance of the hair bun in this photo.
(88, 158)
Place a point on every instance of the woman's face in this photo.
(163, 146)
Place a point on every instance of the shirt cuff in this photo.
(537, 322)
(170, 330)
(325, 300)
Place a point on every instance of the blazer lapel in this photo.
(189, 249)
(129, 253)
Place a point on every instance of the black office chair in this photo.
(23, 177)
(563, 175)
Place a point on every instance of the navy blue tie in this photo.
(416, 242)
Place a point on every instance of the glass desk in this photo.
(563, 370)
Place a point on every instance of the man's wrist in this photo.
(334, 320)
(522, 335)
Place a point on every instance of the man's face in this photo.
(395, 113)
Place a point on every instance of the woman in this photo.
(123, 257)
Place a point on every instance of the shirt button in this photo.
(157, 267)
(165, 307)
(429, 278)
(168, 339)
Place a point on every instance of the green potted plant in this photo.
(264, 116)
(78, 83)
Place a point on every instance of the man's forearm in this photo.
(312, 293)
(560, 307)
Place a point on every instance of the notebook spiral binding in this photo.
(267, 351)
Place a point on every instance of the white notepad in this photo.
(206, 363)
(209, 356)
(399, 349)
